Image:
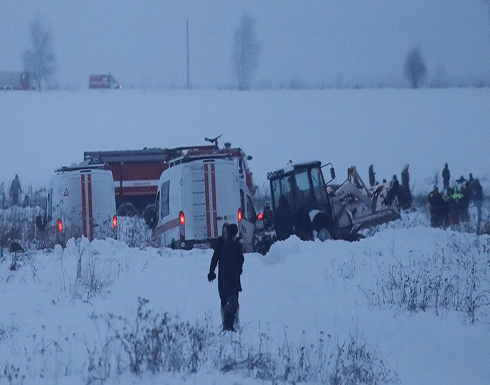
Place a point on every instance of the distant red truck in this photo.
(14, 80)
(103, 82)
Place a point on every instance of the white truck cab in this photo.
(81, 202)
(194, 200)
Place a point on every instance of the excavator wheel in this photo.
(324, 227)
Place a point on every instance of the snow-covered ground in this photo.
(408, 303)
(415, 299)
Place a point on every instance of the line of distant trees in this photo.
(39, 62)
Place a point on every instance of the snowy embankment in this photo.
(408, 304)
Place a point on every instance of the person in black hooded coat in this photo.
(228, 257)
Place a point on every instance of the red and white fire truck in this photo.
(197, 195)
(137, 173)
(80, 202)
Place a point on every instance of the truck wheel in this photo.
(324, 234)
(149, 215)
(127, 210)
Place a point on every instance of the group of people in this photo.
(401, 192)
(451, 206)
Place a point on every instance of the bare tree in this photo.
(246, 51)
(39, 60)
(415, 69)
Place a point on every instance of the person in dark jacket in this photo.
(267, 216)
(436, 207)
(228, 256)
(471, 186)
(478, 200)
(445, 177)
(284, 219)
(392, 191)
(372, 177)
(405, 177)
(404, 195)
(465, 200)
(15, 191)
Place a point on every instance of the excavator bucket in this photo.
(368, 207)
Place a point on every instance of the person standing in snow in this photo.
(404, 195)
(436, 208)
(392, 191)
(284, 219)
(471, 185)
(405, 177)
(455, 205)
(267, 216)
(478, 200)
(372, 177)
(228, 256)
(445, 177)
(15, 191)
(465, 200)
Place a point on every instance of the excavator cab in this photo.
(300, 202)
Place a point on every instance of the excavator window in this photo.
(280, 186)
(318, 185)
(303, 182)
(304, 196)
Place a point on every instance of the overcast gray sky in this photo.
(311, 42)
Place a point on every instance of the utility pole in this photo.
(187, 53)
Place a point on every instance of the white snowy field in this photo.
(384, 127)
(410, 303)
